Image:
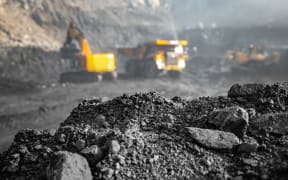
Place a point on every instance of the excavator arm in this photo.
(76, 44)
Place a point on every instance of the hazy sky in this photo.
(232, 12)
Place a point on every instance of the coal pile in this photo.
(146, 136)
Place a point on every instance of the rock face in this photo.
(154, 4)
(2, 2)
(32, 70)
(213, 139)
(233, 119)
(106, 19)
(68, 166)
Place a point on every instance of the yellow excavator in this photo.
(253, 54)
(86, 65)
(149, 59)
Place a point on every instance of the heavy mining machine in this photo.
(251, 54)
(86, 65)
(149, 59)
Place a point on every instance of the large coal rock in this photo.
(213, 139)
(234, 119)
(68, 166)
(248, 146)
(263, 98)
(247, 90)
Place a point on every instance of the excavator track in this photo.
(79, 77)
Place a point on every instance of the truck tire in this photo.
(71, 77)
(79, 77)
(111, 76)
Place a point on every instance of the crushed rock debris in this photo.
(144, 136)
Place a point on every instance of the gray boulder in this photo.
(251, 112)
(80, 144)
(93, 153)
(234, 119)
(246, 90)
(114, 147)
(213, 139)
(249, 145)
(68, 166)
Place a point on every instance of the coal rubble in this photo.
(146, 136)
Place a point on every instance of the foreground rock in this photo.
(213, 139)
(262, 97)
(233, 119)
(247, 90)
(144, 136)
(68, 166)
(249, 145)
(93, 154)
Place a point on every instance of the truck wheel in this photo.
(174, 74)
(150, 69)
(131, 68)
(67, 77)
(112, 76)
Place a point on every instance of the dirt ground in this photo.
(47, 107)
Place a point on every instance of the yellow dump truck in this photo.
(149, 59)
(88, 66)
(251, 54)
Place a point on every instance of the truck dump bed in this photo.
(133, 53)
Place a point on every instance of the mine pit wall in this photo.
(110, 21)
(30, 64)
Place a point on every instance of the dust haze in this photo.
(56, 56)
(230, 13)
